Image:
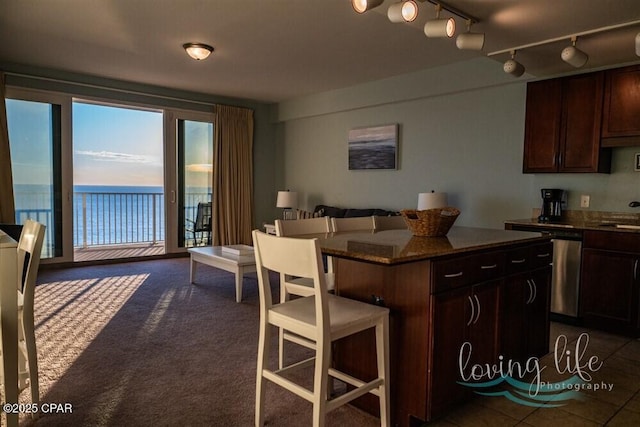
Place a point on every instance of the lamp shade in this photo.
(287, 199)
(432, 200)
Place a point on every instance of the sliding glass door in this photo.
(195, 158)
(35, 127)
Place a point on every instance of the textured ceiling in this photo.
(274, 50)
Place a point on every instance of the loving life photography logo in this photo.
(522, 381)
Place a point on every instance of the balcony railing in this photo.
(105, 219)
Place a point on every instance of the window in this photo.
(35, 142)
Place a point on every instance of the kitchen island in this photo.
(489, 288)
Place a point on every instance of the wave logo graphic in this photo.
(549, 395)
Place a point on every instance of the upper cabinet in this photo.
(563, 124)
(621, 123)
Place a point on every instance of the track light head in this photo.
(574, 56)
(469, 40)
(638, 44)
(513, 67)
(440, 27)
(403, 11)
(361, 6)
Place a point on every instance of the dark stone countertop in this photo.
(400, 246)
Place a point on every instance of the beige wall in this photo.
(461, 131)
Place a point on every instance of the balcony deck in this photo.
(133, 250)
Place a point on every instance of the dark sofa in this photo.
(335, 212)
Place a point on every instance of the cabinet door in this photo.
(622, 103)
(451, 313)
(516, 291)
(542, 126)
(580, 135)
(609, 290)
(483, 330)
(537, 309)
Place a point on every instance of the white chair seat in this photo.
(346, 316)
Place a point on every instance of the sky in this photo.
(111, 145)
(116, 146)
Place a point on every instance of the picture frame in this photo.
(637, 162)
(373, 147)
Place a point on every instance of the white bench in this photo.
(215, 256)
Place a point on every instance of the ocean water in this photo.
(106, 215)
(111, 215)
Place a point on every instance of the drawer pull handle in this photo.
(518, 261)
(543, 255)
(449, 276)
(488, 267)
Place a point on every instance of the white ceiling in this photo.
(274, 50)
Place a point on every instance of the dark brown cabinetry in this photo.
(610, 296)
(563, 125)
(526, 298)
(620, 124)
(437, 305)
(465, 315)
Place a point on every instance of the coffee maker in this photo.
(552, 201)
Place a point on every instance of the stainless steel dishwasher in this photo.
(565, 276)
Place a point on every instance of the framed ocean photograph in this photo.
(373, 147)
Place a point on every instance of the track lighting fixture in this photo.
(638, 44)
(469, 40)
(513, 67)
(574, 56)
(361, 6)
(198, 51)
(445, 27)
(403, 11)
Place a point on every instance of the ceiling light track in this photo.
(453, 10)
(567, 37)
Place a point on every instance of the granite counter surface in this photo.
(400, 246)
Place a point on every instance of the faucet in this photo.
(634, 204)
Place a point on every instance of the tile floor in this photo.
(620, 406)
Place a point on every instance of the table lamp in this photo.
(287, 200)
(431, 200)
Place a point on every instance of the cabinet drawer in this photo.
(518, 260)
(612, 241)
(467, 270)
(541, 255)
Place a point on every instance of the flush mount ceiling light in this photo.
(361, 6)
(574, 56)
(469, 40)
(513, 67)
(445, 27)
(198, 51)
(403, 11)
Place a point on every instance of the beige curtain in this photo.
(7, 207)
(233, 176)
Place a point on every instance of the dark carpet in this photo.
(134, 344)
